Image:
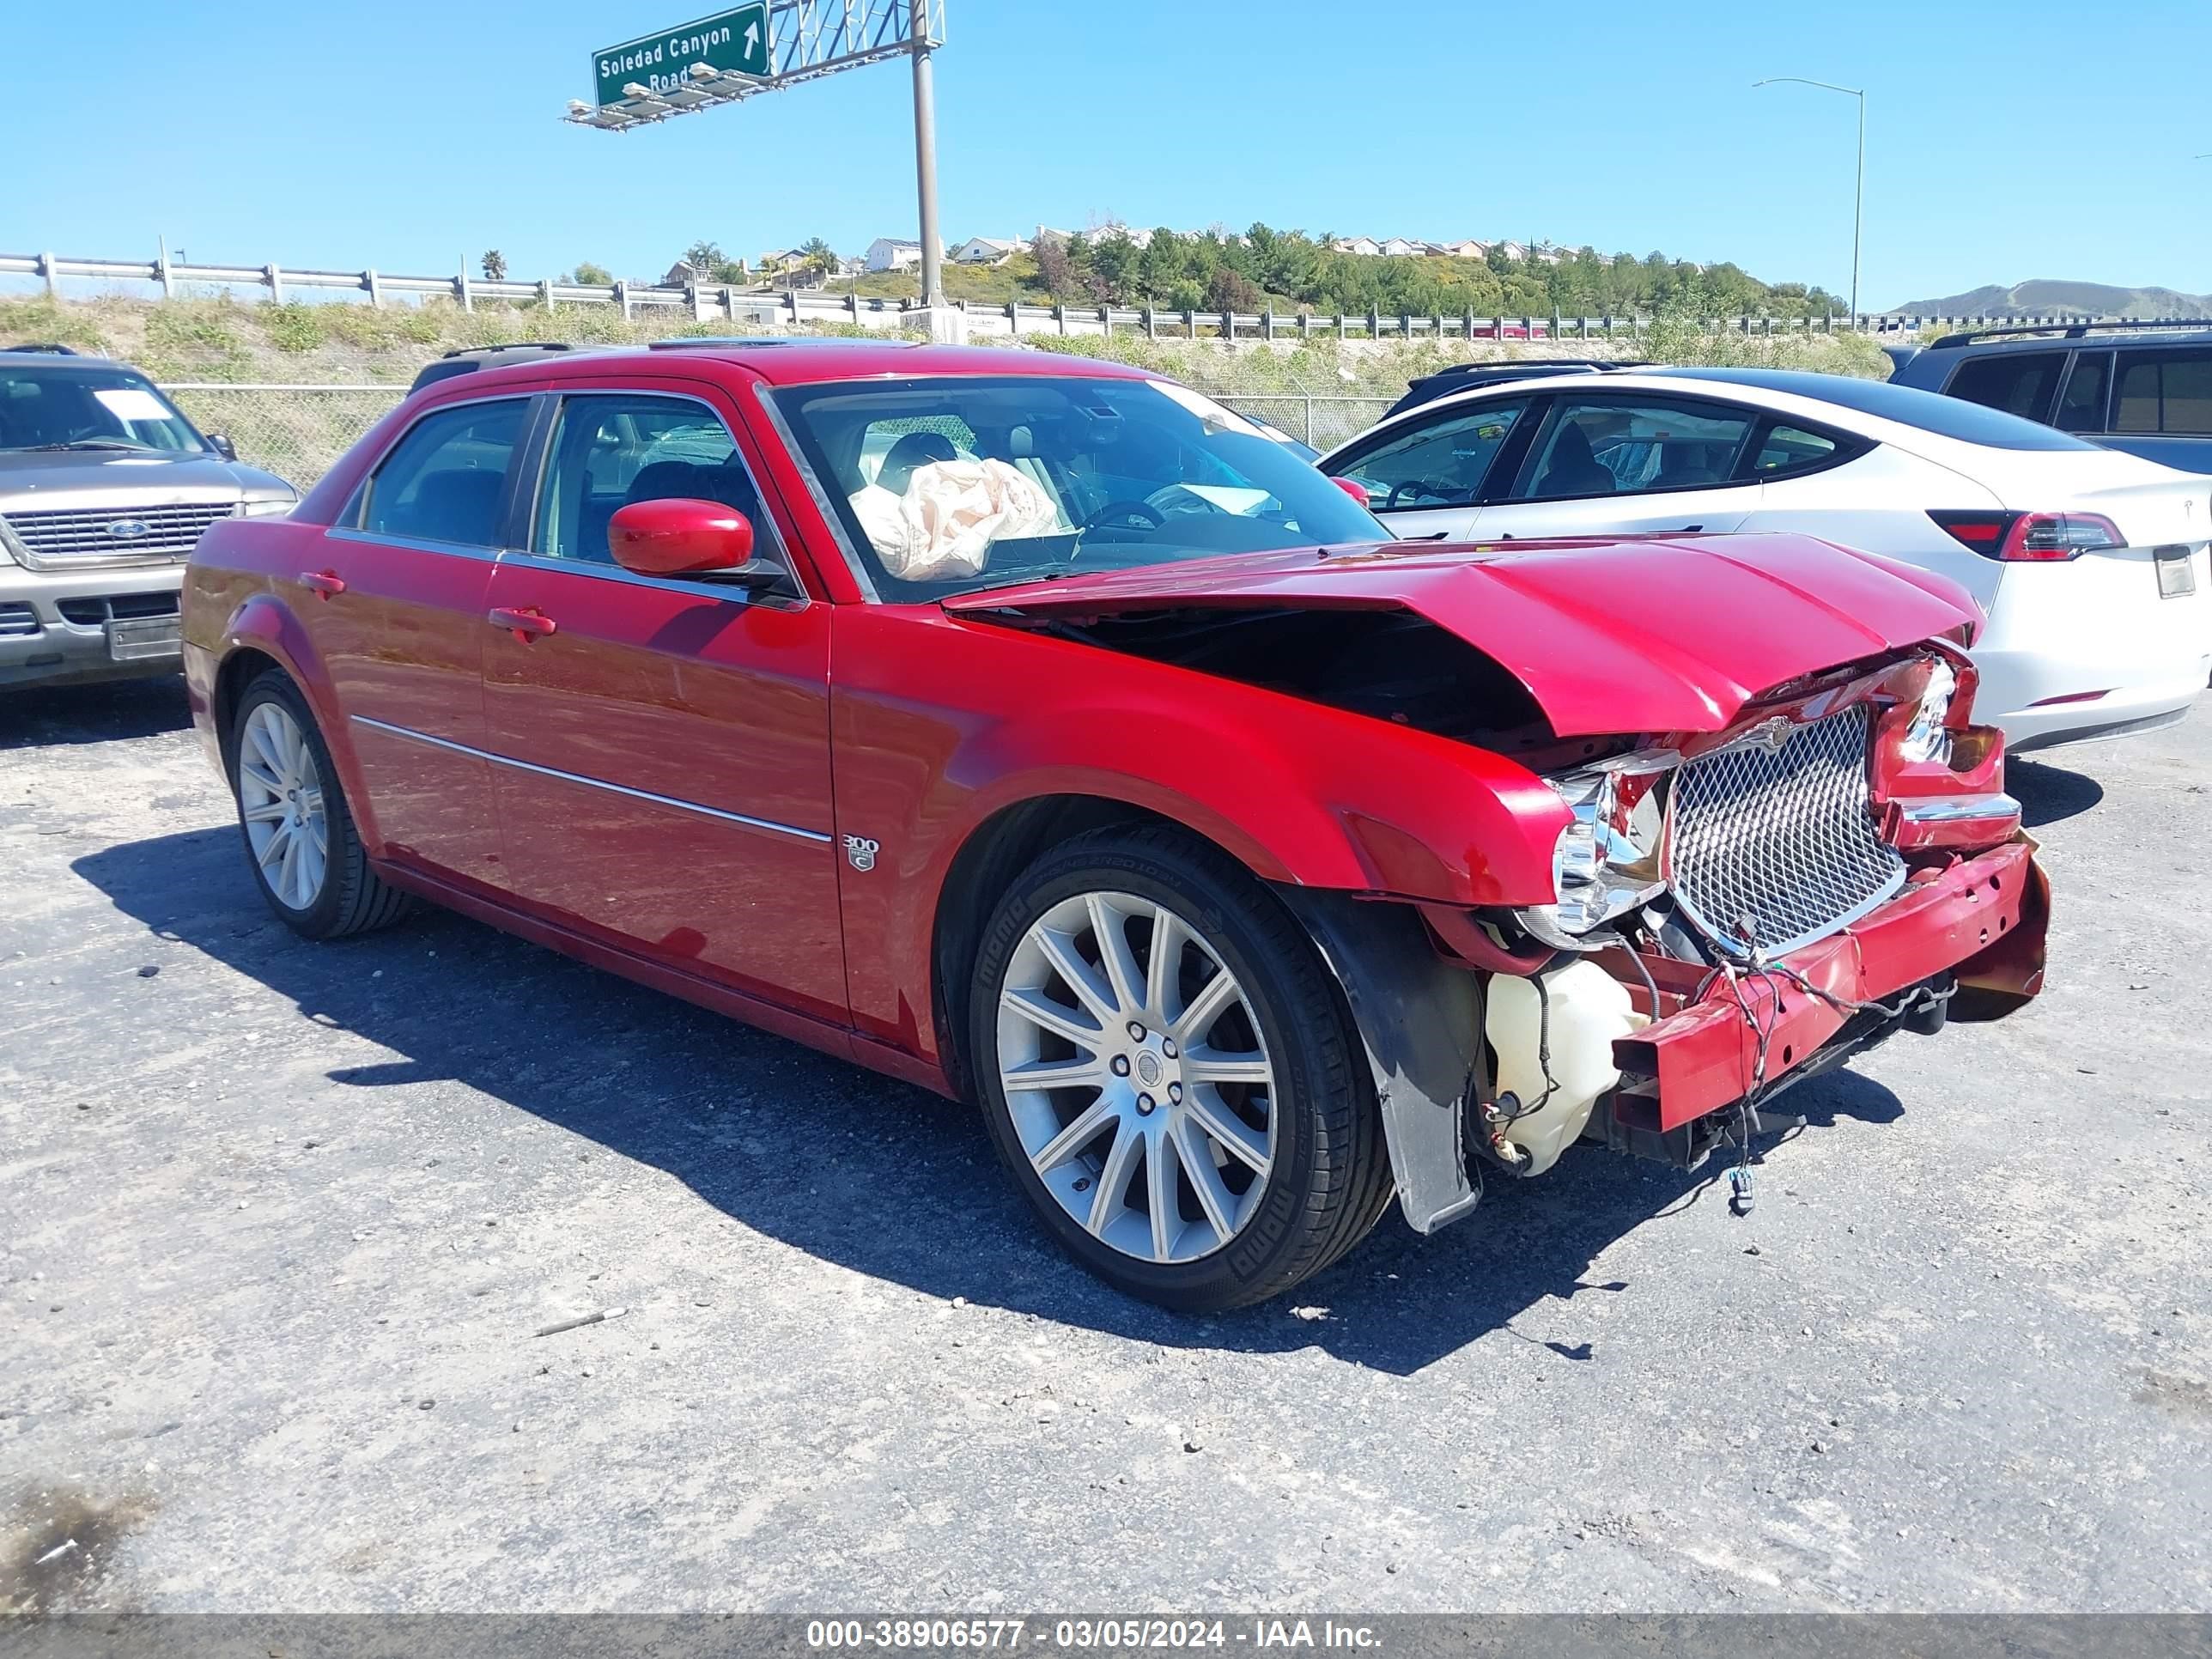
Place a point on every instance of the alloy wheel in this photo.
(280, 797)
(1136, 1077)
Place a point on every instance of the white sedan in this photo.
(2091, 565)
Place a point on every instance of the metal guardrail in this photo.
(799, 306)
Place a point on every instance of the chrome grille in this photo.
(86, 535)
(1781, 844)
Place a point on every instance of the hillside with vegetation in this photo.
(1292, 272)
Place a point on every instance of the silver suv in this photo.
(104, 488)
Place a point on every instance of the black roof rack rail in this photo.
(688, 342)
(512, 345)
(465, 360)
(52, 348)
(2068, 331)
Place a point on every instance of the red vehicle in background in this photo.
(1041, 732)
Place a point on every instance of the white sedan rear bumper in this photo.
(2087, 649)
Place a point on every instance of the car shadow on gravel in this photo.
(2048, 793)
(93, 714)
(761, 1129)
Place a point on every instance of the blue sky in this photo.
(410, 134)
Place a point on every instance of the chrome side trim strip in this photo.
(768, 824)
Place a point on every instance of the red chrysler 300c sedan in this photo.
(1041, 732)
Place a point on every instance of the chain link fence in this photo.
(298, 432)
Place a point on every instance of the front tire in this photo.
(1170, 1074)
(301, 843)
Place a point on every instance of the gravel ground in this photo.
(278, 1222)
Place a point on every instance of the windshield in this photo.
(83, 408)
(945, 485)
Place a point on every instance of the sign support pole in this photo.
(925, 159)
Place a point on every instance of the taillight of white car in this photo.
(2031, 537)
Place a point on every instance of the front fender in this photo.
(1300, 794)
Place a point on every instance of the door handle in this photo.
(325, 582)
(525, 623)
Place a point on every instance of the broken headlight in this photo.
(1606, 861)
(1928, 738)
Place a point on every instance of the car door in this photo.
(665, 743)
(395, 606)
(1425, 475)
(1629, 463)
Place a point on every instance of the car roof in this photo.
(1848, 402)
(801, 361)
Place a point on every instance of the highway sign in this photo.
(736, 39)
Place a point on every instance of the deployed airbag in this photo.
(950, 514)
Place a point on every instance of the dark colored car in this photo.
(1466, 377)
(1043, 733)
(2144, 388)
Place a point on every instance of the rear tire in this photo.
(1201, 1129)
(301, 844)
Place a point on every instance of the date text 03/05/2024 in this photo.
(1087, 1634)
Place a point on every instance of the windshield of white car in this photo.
(1931, 411)
(947, 484)
(90, 409)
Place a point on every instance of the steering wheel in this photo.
(1415, 487)
(1127, 512)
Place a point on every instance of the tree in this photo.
(820, 256)
(494, 266)
(1232, 290)
(592, 275)
(1056, 266)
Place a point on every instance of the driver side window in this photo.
(1441, 462)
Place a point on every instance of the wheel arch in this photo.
(995, 850)
(264, 634)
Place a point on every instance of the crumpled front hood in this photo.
(1608, 636)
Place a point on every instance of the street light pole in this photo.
(925, 158)
(1858, 207)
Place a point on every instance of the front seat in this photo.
(1572, 470)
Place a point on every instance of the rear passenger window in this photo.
(445, 480)
(1787, 449)
(1630, 444)
(2081, 408)
(2019, 383)
(2165, 392)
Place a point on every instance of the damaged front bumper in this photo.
(1963, 939)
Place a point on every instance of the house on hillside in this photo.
(1362, 244)
(1517, 252)
(892, 253)
(987, 251)
(1399, 247)
(1048, 237)
(782, 258)
(1467, 249)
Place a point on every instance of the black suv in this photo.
(2142, 387)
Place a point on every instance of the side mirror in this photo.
(679, 537)
(223, 445)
